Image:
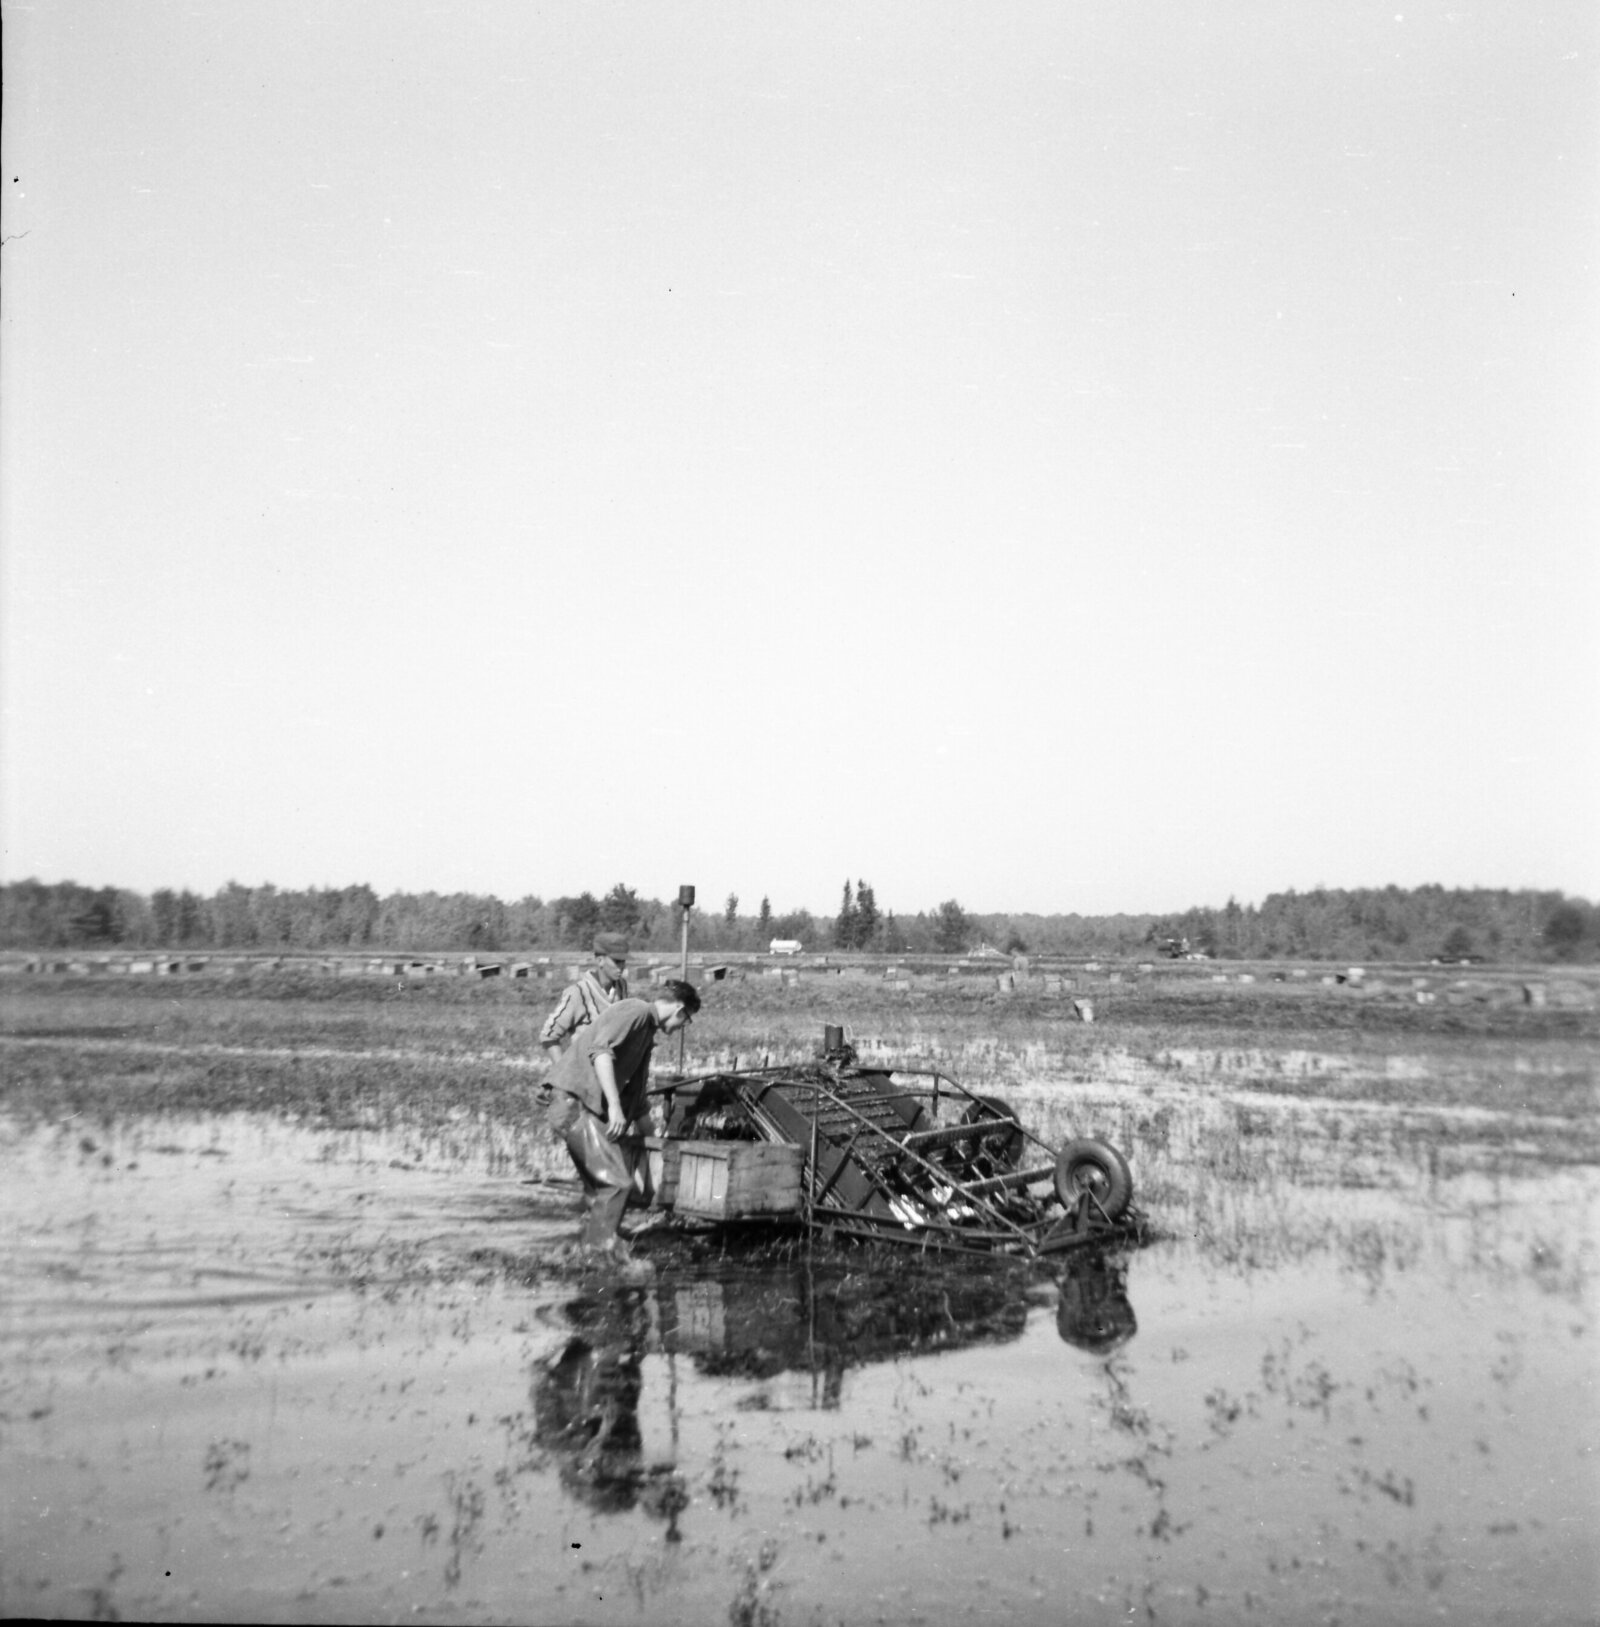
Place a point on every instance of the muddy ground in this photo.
(271, 1371)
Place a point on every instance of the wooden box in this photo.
(725, 1180)
(658, 1176)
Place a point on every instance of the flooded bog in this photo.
(254, 1373)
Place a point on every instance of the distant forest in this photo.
(1388, 923)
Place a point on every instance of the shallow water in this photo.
(255, 1372)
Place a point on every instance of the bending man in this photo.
(601, 1088)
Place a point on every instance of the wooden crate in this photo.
(724, 1180)
(659, 1176)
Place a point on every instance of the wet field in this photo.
(253, 1370)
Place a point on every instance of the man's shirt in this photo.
(581, 1003)
(626, 1032)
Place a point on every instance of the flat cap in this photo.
(613, 945)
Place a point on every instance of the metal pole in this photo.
(685, 904)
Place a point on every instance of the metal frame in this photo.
(873, 1166)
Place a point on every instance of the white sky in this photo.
(1064, 457)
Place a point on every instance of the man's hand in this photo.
(605, 1071)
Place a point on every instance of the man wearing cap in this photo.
(601, 1090)
(598, 989)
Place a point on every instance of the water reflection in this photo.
(1094, 1312)
(759, 1321)
(586, 1409)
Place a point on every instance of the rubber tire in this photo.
(1004, 1149)
(1098, 1166)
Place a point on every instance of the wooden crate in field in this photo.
(659, 1176)
(725, 1180)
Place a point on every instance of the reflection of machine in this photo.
(1094, 1312)
(827, 1316)
(758, 1321)
(902, 1155)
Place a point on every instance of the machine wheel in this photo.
(1004, 1147)
(1098, 1168)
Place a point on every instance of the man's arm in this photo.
(605, 1070)
(562, 1023)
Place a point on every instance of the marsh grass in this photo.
(1236, 1105)
(424, 1110)
(1167, 1009)
(294, 1010)
(342, 1048)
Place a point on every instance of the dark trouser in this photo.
(604, 1167)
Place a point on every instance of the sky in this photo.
(1084, 458)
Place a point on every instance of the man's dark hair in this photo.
(686, 994)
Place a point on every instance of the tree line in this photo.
(1394, 923)
(1389, 923)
